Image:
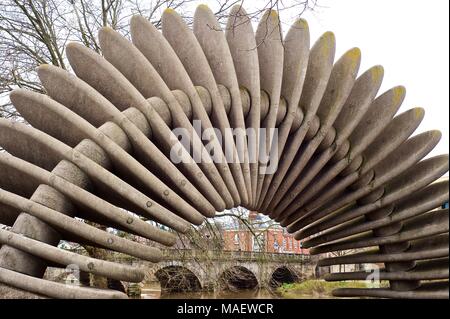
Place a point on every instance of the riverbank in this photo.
(315, 288)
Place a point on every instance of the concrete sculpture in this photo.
(98, 147)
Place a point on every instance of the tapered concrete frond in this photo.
(179, 124)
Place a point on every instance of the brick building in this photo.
(272, 240)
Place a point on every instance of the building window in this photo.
(275, 244)
(259, 244)
(236, 239)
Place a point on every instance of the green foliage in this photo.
(317, 288)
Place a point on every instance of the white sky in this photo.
(409, 38)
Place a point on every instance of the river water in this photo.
(152, 292)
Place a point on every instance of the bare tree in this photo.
(341, 253)
(34, 32)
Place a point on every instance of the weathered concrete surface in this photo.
(241, 41)
(320, 64)
(216, 50)
(351, 174)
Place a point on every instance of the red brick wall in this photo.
(280, 241)
(275, 241)
(237, 240)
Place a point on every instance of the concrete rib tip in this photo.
(179, 124)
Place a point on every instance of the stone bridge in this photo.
(351, 174)
(192, 269)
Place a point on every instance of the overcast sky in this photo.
(409, 38)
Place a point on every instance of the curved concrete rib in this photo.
(319, 68)
(80, 229)
(406, 155)
(296, 52)
(410, 181)
(433, 290)
(383, 258)
(426, 225)
(144, 34)
(338, 89)
(426, 199)
(142, 75)
(40, 111)
(91, 168)
(65, 258)
(81, 98)
(124, 95)
(352, 166)
(80, 196)
(397, 131)
(54, 289)
(270, 44)
(439, 271)
(105, 146)
(241, 41)
(190, 53)
(423, 249)
(357, 104)
(212, 40)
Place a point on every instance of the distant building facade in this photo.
(273, 239)
(270, 240)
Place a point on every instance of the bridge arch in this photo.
(116, 285)
(283, 274)
(176, 278)
(238, 278)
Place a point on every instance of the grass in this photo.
(315, 288)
